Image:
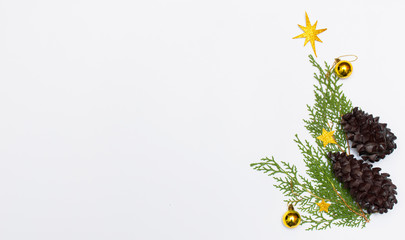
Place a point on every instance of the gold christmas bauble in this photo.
(291, 218)
(343, 69)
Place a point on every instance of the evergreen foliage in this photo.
(304, 192)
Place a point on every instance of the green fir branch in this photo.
(303, 192)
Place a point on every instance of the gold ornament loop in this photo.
(348, 55)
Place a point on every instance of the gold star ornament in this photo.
(310, 33)
(323, 206)
(327, 137)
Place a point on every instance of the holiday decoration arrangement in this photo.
(341, 188)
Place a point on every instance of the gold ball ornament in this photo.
(291, 218)
(343, 69)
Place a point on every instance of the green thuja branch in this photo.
(330, 104)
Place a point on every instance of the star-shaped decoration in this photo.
(327, 137)
(323, 206)
(310, 33)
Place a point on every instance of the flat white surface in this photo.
(139, 119)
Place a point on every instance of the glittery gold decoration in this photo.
(327, 137)
(310, 33)
(291, 218)
(323, 206)
(343, 69)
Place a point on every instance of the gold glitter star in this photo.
(327, 137)
(310, 33)
(323, 206)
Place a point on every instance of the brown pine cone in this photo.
(373, 140)
(374, 191)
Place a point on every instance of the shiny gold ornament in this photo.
(343, 69)
(310, 33)
(291, 218)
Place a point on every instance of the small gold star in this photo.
(327, 137)
(323, 206)
(310, 33)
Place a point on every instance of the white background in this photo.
(139, 119)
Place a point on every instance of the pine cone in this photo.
(374, 191)
(373, 140)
